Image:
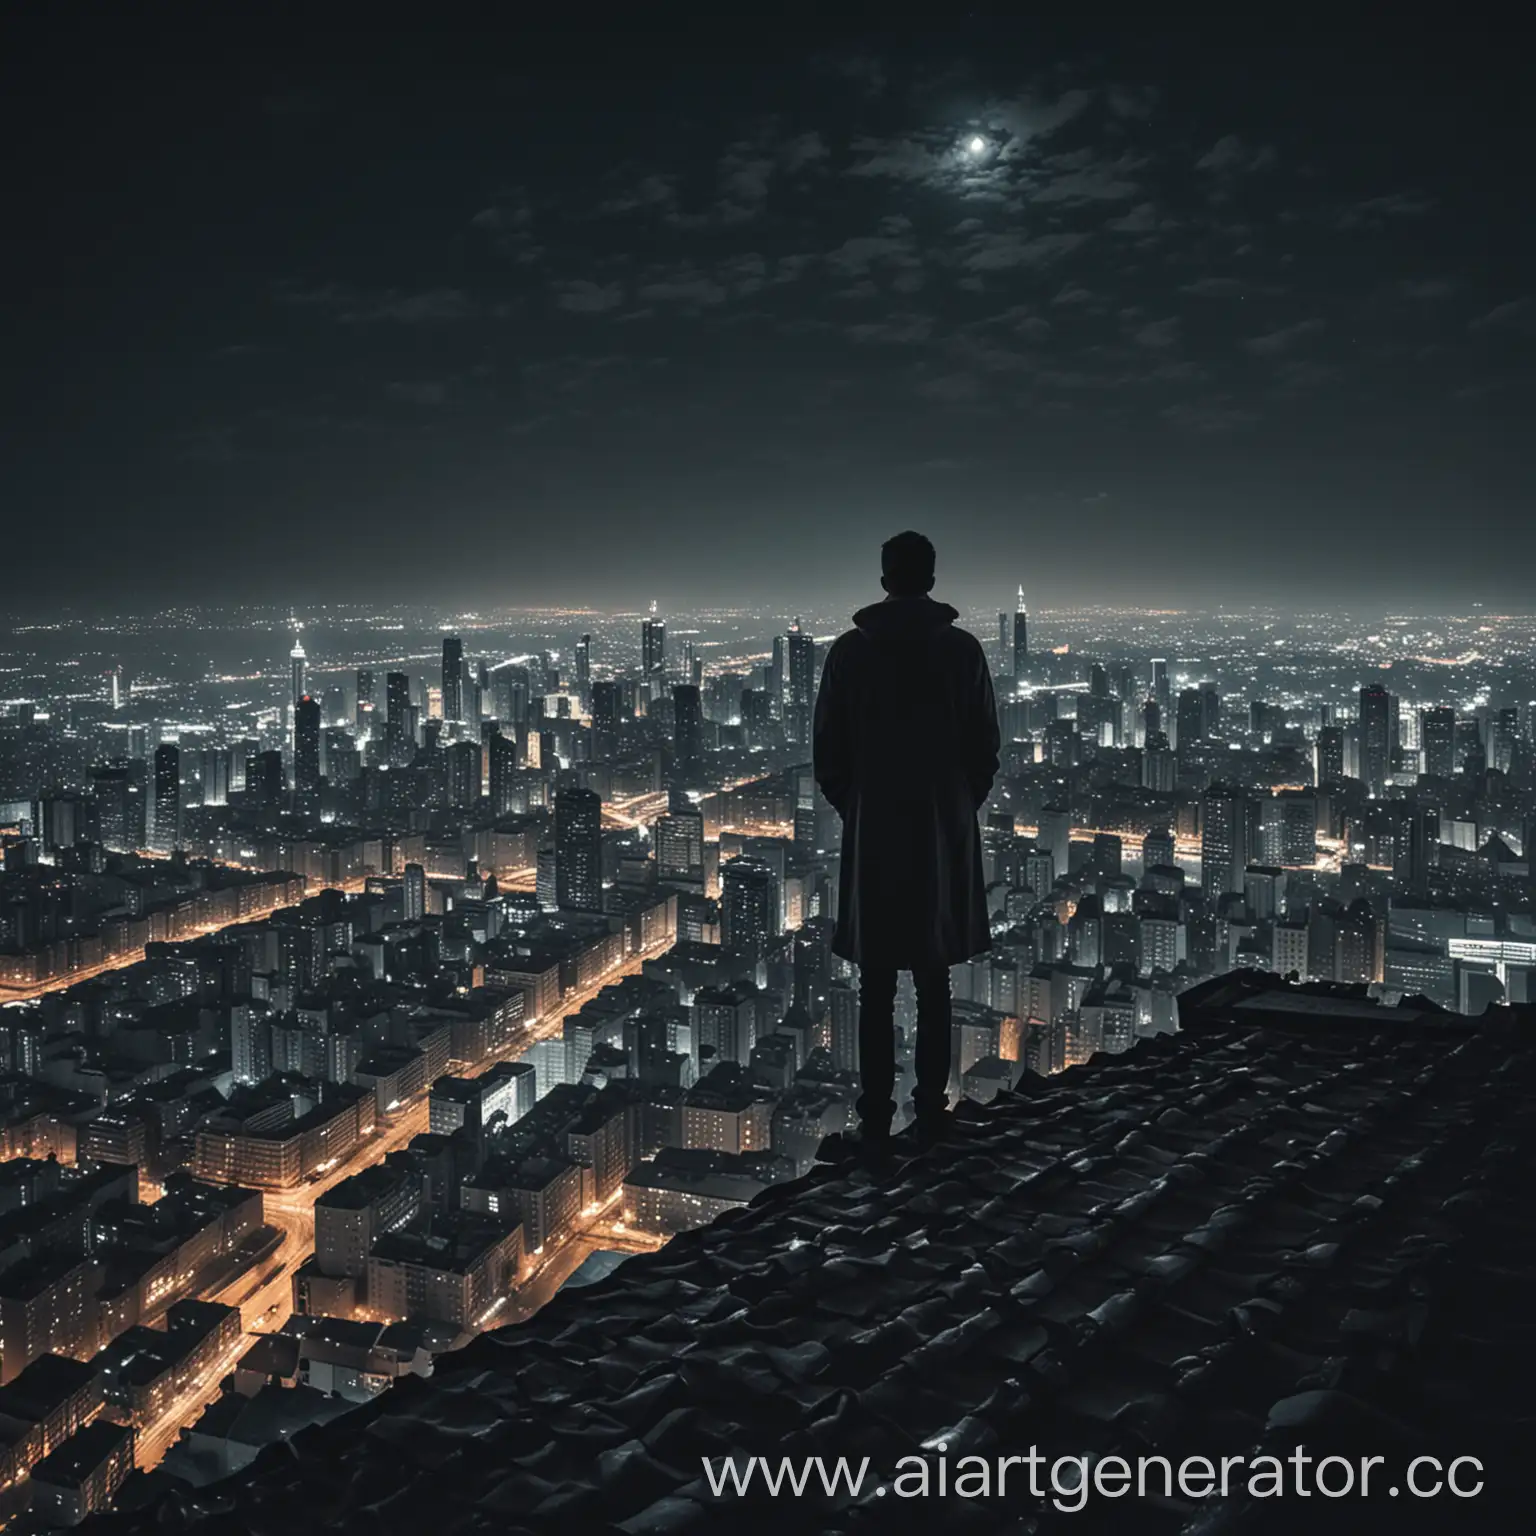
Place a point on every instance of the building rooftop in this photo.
(1274, 1226)
(79, 1456)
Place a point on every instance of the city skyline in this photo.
(654, 315)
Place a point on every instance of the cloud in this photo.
(588, 298)
(1378, 212)
(1518, 316)
(903, 328)
(1003, 250)
(1276, 342)
(650, 193)
(1428, 287)
(1157, 334)
(1080, 178)
(1230, 156)
(1142, 219)
(1075, 293)
(689, 287)
(800, 151)
(1212, 287)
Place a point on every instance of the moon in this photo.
(977, 144)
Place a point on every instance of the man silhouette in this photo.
(905, 748)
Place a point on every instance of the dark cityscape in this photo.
(463, 789)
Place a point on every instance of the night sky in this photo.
(601, 316)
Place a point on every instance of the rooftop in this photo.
(1278, 1224)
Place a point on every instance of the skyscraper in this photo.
(1227, 831)
(748, 904)
(306, 744)
(1375, 738)
(579, 850)
(653, 649)
(363, 716)
(299, 667)
(502, 751)
(1160, 686)
(464, 767)
(399, 745)
(166, 837)
(1330, 754)
(1190, 721)
(453, 678)
(119, 788)
(415, 895)
(584, 667)
(1004, 645)
(1020, 638)
(687, 730)
(800, 696)
(680, 847)
(1437, 741)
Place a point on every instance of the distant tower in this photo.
(453, 678)
(801, 693)
(299, 665)
(1020, 637)
(653, 651)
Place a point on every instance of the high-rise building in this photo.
(579, 850)
(749, 901)
(680, 847)
(363, 715)
(306, 744)
(1437, 741)
(687, 730)
(465, 765)
(584, 668)
(120, 790)
(1020, 638)
(1376, 738)
(1190, 721)
(453, 678)
(653, 649)
(1210, 711)
(1228, 829)
(1004, 645)
(502, 768)
(1330, 754)
(415, 895)
(167, 825)
(1160, 690)
(800, 695)
(299, 668)
(399, 733)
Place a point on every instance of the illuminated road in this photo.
(265, 1297)
(14, 994)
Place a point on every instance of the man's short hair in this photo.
(907, 563)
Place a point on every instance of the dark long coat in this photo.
(906, 749)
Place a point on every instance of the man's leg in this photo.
(877, 1047)
(932, 1057)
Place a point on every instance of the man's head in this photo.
(906, 565)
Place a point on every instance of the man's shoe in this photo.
(871, 1147)
(933, 1128)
